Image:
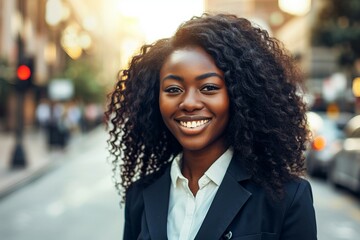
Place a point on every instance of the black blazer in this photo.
(240, 210)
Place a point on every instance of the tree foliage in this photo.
(85, 76)
(338, 25)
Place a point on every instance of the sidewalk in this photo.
(38, 157)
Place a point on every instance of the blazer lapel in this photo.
(228, 201)
(156, 201)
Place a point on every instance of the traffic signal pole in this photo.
(19, 157)
(23, 82)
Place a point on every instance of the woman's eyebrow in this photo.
(207, 75)
(174, 77)
(200, 77)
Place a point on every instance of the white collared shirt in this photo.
(186, 211)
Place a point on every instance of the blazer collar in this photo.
(230, 194)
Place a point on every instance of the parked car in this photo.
(326, 142)
(345, 167)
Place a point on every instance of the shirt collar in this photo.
(216, 171)
(175, 171)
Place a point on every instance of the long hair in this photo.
(267, 121)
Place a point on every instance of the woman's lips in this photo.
(193, 123)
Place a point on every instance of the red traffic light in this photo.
(23, 72)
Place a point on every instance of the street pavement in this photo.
(76, 199)
(38, 159)
(337, 212)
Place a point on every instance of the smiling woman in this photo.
(208, 135)
(194, 102)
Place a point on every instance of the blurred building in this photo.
(23, 33)
(293, 29)
(51, 32)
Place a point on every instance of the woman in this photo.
(208, 136)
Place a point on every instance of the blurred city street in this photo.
(75, 199)
(337, 212)
(60, 58)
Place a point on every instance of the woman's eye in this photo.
(173, 90)
(209, 88)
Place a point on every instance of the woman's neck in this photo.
(196, 163)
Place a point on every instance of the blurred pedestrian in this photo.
(73, 117)
(208, 133)
(43, 113)
(93, 114)
(58, 131)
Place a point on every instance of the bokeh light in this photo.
(295, 7)
(160, 18)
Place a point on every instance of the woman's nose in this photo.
(191, 101)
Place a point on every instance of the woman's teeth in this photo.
(193, 124)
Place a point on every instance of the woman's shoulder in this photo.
(298, 184)
(140, 184)
(297, 190)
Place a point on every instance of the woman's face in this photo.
(193, 99)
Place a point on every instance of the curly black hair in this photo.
(267, 122)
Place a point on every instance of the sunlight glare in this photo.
(295, 7)
(160, 18)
